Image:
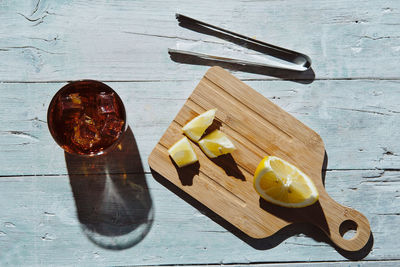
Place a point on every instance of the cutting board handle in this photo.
(342, 219)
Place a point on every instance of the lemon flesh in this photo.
(182, 152)
(283, 184)
(195, 128)
(216, 144)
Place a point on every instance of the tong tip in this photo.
(178, 16)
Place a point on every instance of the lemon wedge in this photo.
(216, 144)
(182, 152)
(195, 128)
(283, 184)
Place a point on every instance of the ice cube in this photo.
(85, 132)
(106, 103)
(71, 101)
(112, 126)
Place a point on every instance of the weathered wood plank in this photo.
(312, 264)
(358, 120)
(40, 225)
(128, 40)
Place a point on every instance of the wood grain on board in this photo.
(257, 128)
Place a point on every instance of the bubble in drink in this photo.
(86, 117)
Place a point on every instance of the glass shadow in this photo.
(111, 195)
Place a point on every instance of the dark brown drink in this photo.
(86, 117)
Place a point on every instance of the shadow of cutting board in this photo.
(258, 128)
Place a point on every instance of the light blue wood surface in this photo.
(353, 103)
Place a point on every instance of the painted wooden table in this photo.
(56, 209)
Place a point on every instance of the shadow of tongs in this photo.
(288, 59)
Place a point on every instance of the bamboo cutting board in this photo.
(258, 128)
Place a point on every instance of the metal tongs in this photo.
(287, 59)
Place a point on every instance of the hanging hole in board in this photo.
(348, 229)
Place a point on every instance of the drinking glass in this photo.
(86, 117)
